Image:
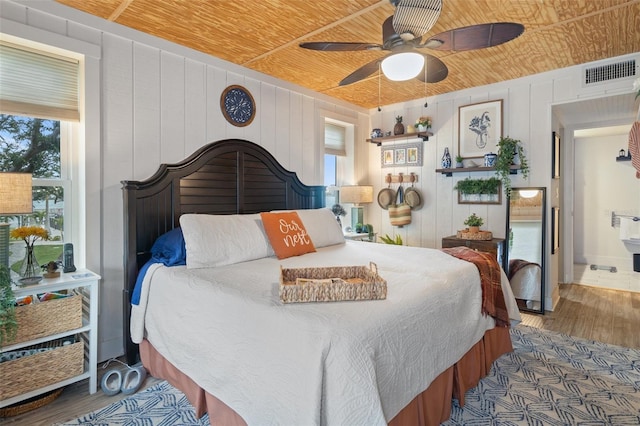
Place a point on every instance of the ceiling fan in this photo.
(402, 37)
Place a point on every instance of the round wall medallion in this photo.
(237, 105)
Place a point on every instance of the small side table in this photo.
(495, 246)
(86, 283)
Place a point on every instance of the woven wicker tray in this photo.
(464, 234)
(331, 284)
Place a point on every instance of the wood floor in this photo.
(610, 316)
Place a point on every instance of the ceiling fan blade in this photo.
(363, 72)
(415, 17)
(475, 36)
(436, 69)
(340, 46)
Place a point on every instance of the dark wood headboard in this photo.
(226, 177)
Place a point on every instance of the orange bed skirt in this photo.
(431, 407)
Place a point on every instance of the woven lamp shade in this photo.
(15, 193)
(356, 194)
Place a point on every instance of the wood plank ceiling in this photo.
(264, 35)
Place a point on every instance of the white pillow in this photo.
(217, 240)
(322, 226)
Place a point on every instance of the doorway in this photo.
(593, 132)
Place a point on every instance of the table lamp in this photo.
(356, 194)
(15, 198)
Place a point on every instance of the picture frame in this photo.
(409, 154)
(555, 155)
(412, 155)
(555, 230)
(387, 157)
(479, 128)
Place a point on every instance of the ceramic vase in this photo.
(490, 159)
(398, 129)
(446, 159)
(30, 267)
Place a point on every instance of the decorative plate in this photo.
(30, 280)
(237, 105)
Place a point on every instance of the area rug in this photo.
(549, 379)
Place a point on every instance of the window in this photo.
(335, 152)
(29, 144)
(39, 105)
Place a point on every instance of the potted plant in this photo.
(394, 241)
(459, 160)
(510, 152)
(489, 189)
(8, 323)
(474, 223)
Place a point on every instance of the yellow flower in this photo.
(30, 234)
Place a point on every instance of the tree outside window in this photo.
(32, 145)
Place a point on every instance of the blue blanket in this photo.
(169, 249)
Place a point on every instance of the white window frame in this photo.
(84, 137)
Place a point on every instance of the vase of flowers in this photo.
(423, 123)
(30, 268)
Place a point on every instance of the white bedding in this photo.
(342, 363)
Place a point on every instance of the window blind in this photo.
(334, 139)
(38, 84)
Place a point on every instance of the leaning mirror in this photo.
(525, 248)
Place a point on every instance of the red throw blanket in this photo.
(492, 297)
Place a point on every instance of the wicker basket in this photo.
(331, 284)
(30, 404)
(47, 318)
(41, 369)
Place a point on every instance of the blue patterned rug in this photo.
(549, 379)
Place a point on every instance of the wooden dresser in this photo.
(495, 246)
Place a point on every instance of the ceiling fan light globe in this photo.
(402, 66)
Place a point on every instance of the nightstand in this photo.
(83, 284)
(496, 246)
(360, 236)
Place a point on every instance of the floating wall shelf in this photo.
(422, 135)
(625, 158)
(451, 171)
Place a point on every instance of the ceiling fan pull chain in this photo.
(379, 77)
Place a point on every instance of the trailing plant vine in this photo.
(507, 149)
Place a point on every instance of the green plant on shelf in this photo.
(478, 186)
(508, 149)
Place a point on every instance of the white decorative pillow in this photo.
(322, 226)
(218, 240)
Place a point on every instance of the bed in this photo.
(221, 334)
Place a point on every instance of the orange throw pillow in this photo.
(287, 234)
